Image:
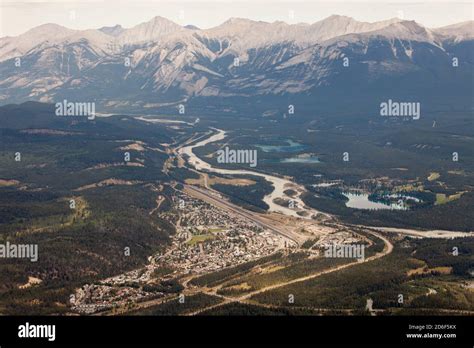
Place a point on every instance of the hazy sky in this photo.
(17, 16)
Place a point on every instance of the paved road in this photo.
(387, 250)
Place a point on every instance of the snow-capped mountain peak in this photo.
(408, 30)
(153, 30)
(459, 31)
(161, 59)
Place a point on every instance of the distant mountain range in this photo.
(160, 62)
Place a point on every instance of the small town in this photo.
(207, 239)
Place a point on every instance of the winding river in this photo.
(279, 184)
(282, 184)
